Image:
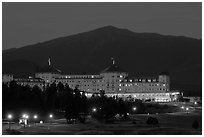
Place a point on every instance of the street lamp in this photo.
(9, 116)
(187, 110)
(134, 108)
(94, 109)
(35, 117)
(25, 116)
(50, 116)
(195, 103)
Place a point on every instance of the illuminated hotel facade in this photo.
(113, 80)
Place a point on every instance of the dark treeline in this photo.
(61, 98)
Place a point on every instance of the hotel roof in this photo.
(49, 68)
(112, 68)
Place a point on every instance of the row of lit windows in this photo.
(74, 81)
(127, 89)
(29, 80)
(142, 84)
(30, 84)
(92, 76)
(140, 80)
(115, 76)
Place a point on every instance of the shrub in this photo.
(165, 106)
(82, 119)
(71, 121)
(109, 121)
(126, 116)
(152, 121)
(134, 122)
(195, 124)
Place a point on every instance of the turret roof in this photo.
(112, 68)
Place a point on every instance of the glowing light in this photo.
(49, 62)
(195, 103)
(134, 108)
(128, 114)
(35, 116)
(187, 109)
(9, 116)
(121, 76)
(182, 107)
(50, 115)
(25, 116)
(94, 109)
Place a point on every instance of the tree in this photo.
(195, 124)
(152, 121)
(121, 107)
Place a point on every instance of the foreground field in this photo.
(169, 124)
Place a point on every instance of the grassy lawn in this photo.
(178, 123)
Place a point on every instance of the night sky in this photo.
(30, 23)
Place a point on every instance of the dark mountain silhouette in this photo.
(137, 53)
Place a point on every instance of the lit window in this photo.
(119, 84)
(130, 80)
(126, 85)
(121, 76)
(163, 84)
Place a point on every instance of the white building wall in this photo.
(111, 81)
(48, 77)
(7, 78)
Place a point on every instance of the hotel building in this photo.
(113, 80)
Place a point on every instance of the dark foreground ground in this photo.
(179, 123)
